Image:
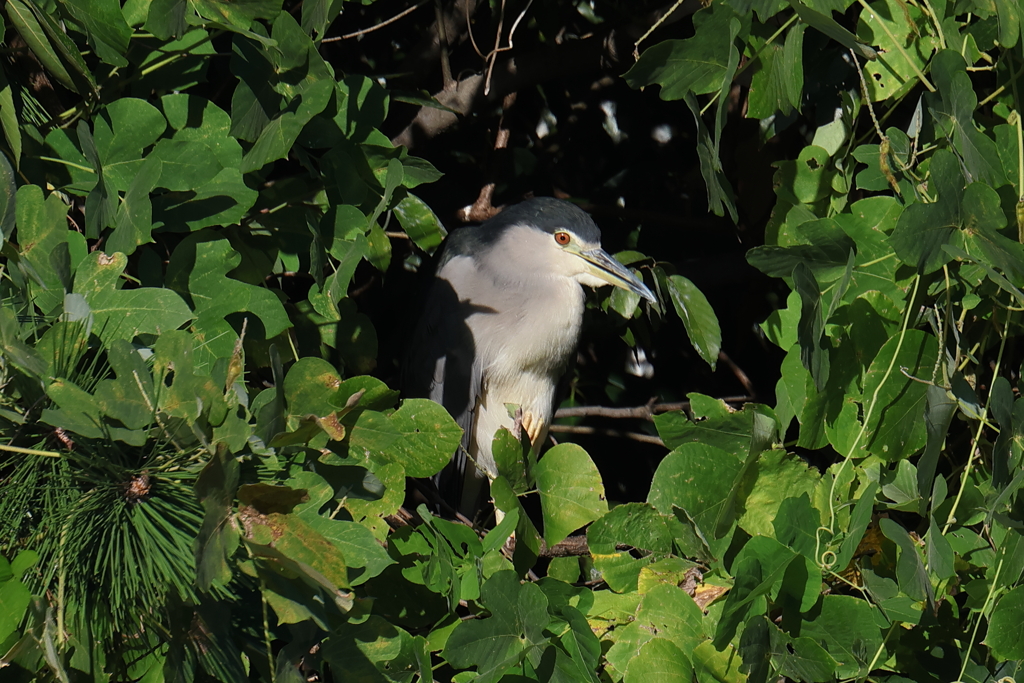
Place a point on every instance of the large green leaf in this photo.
(698, 318)
(420, 436)
(637, 525)
(694, 65)
(1005, 628)
(697, 478)
(571, 491)
(123, 313)
(895, 399)
(846, 627)
(659, 661)
(105, 26)
(513, 632)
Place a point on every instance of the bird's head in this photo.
(558, 238)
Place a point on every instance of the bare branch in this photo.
(356, 34)
(580, 429)
(739, 374)
(645, 412)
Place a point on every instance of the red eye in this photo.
(562, 238)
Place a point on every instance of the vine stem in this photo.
(984, 608)
(870, 410)
(983, 418)
(878, 652)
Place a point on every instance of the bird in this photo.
(500, 323)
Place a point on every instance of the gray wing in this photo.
(442, 366)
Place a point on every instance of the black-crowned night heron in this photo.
(501, 323)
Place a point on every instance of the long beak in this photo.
(604, 267)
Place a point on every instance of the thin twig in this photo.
(469, 29)
(581, 429)
(741, 376)
(655, 25)
(493, 56)
(356, 34)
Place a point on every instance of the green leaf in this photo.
(800, 658)
(421, 436)
(859, 520)
(519, 613)
(122, 130)
(939, 410)
(761, 566)
(695, 65)
(1010, 18)
(373, 651)
(827, 25)
(571, 491)
(218, 538)
(206, 265)
(52, 47)
(192, 391)
(310, 386)
(125, 313)
(300, 542)
(897, 401)
(721, 196)
(777, 84)
(186, 164)
(420, 223)
(1005, 628)
(781, 477)
(727, 430)
(979, 153)
(813, 353)
(903, 49)
(131, 397)
(363, 553)
(910, 571)
(717, 666)
(12, 133)
(923, 228)
(14, 601)
(808, 179)
(697, 478)
(939, 553)
(634, 524)
(42, 227)
(823, 247)
(659, 661)
(105, 27)
(796, 524)
(698, 318)
(134, 219)
(845, 626)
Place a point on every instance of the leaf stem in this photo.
(878, 652)
(66, 163)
